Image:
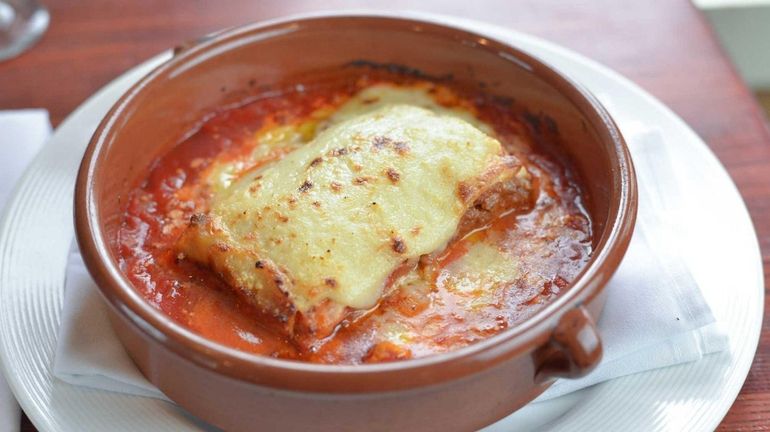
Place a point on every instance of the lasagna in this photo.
(326, 231)
(388, 218)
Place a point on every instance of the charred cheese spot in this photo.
(305, 186)
(316, 161)
(392, 175)
(401, 147)
(342, 151)
(397, 245)
(379, 142)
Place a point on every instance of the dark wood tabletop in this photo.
(665, 46)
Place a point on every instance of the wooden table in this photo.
(666, 46)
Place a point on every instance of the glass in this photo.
(22, 22)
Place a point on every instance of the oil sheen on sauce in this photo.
(486, 282)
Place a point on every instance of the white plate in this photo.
(722, 252)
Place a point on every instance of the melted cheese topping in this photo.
(476, 276)
(286, 138)
(327, 228)
(381, 95)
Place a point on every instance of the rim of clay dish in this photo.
(302, 376)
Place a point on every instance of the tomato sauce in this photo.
(437, 312)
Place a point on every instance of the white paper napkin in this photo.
(88, 352)
(655, 315)
(22, 134)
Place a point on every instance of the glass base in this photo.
(16, 34)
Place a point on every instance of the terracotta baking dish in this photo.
(461, 390)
